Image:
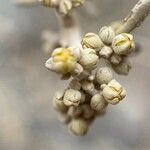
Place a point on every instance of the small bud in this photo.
(104, 75)
(115, 59)
(93, 41)
(123, 44)
(62, 61)
(77, 70)
(72, 97)
(113, 92)
(78, 127)
(89, 59)
(65, 6)
(107, 34)
(98, 102)
(58, 102)
(106, 52)
(88, 87)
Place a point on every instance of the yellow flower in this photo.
(62, 60)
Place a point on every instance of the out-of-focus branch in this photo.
(70, 34)
(25, 2)
(136, 16)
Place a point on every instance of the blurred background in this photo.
(27, 119)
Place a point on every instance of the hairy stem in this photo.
(136, 16)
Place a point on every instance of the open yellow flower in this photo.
(62, 61)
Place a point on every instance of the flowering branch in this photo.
(136, 16)
(92, 89)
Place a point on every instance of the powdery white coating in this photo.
(78, 127)
(72, 97)
(123, 44)
(107, 34)
(89, 59)
(103, 75)
(106, 52)
(98, 102)
(93, 41)
(113, 92)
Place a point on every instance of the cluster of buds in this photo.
(92, 88)
(86, 99)
(62, 6)
(114, 48)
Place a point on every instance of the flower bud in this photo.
(78, 127)
(58, 102)
(78, 70)
(106, 52)
(107, 34)
(62, 61)
(98, 102)
(103, 75)
(92, 40)
(113, 92)
(123, 44)
(65, 6)
(89, 59)
(72, 97)
(88, 87)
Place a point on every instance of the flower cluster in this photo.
(86, 99)
(62, 6)
(92, 88)
(114, 48)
